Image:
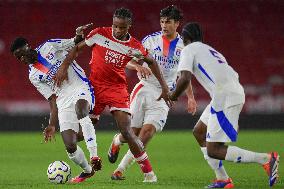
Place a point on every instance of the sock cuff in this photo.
(117, 140)
(141, 156)
(74, 153)
(130, 153)
(204, 150)
(85, 120)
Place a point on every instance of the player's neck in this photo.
(171, 36)
(125, 37)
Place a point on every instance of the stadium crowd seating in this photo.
(248, 33)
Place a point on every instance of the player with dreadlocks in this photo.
(149, 115)
(112, 49)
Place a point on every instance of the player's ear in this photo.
(177, 23)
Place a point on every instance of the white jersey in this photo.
(50, 57)
(213, 73)
(167, 54)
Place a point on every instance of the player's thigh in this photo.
(68, 120)
(137, 111)
(223, 125)
(122, 119)
(156, 114)
(204, 118)
(200, 128)
(84, 99)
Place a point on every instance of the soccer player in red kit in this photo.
(112, 48)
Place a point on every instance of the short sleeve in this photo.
(147, 44)
(186, 60)
(43, 88)
(143, 50)
(62, 44)
(91, 37)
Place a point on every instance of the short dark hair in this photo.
(172, 12)
(18, 43)
(193, 31)
(123, 13)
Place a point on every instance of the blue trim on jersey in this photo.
(50, 40)
(54, 40)
(151, 35)
(43, 61)
(156, 33)
(205, 73)
(30, 68)
(89, 84)
(77, 67)
(172, 48)
(38, 48)
(225, 125)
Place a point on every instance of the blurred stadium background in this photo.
(249, 33)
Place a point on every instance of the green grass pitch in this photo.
(175, 156)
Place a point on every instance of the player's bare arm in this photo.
(153, 65)
(143, 71)
(191, 103)
(61, 74)
(182, 84)
(49, 131)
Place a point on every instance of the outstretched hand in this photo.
(49, 133)
(143, 71)
(165, 96)
(80, 30)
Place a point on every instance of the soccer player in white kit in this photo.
(149, 115)
(69, 104)
(220, 118)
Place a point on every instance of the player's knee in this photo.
(82, 109)
(211, 153)
(80, 137)
(126, 134)
(213, 150)
(71, 148)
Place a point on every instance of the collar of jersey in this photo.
(121, 40)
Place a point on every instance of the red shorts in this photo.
(116, 98)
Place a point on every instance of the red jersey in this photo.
(110, 57)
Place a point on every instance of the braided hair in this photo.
(123, 13)
(192, 31)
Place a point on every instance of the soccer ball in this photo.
(58, 172)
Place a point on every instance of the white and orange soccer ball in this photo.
(58, 172)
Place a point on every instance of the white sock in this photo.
(116, 140)
(127, 161)
(216, 165)
(239, 155)
(78, 157)
(89, 135)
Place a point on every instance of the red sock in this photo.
(143, 161)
